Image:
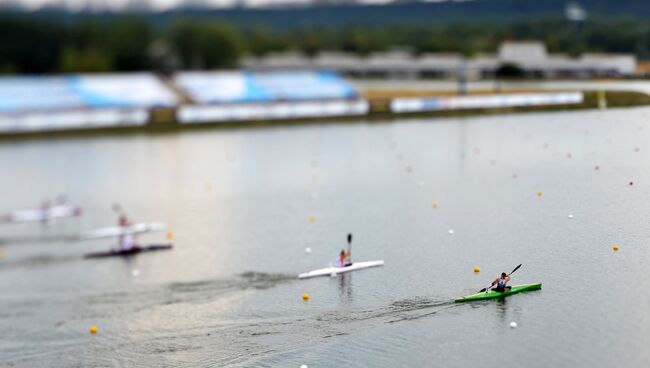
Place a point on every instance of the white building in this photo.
(532, 57)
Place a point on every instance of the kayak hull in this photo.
(34, 215)
(516, 289)
(130, 252)
(333, 271)
(115, 231)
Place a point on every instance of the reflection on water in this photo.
(345, 287)
(27, 240)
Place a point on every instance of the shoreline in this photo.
(379, 111)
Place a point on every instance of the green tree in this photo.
(205, 45)
(87, 60)
(128, 43)
(29, 47)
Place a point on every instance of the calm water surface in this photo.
(244, 204)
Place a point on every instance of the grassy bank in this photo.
(379, 112)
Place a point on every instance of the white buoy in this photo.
(307, 250)
(570, 216)
(451, 231)
(135, 273)
(513, 324)
(303, 366)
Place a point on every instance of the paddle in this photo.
(117, 208)
(513, 271)
(349, 247)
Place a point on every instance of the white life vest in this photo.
(127, 242)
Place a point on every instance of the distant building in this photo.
(522, 51)
(532, 57)
(535, 61)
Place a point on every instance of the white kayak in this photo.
(115, 231)
(41, 214)
(333, 271)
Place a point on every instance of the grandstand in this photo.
(84, 102)
(77, 102)
(80, 101)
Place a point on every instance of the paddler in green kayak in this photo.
(501, 282)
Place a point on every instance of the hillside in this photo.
(400, 13)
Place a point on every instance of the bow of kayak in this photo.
(496, 294)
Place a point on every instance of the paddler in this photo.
(127, 241)
(45, 210)
(344, 258)
(501, 282)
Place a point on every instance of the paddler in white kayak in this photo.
(46, 207)
(342, 265)
(501, 282)
(345, 258)
(126, 241)
(45, 210)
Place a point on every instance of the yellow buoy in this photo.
(434, 205)
(539, 194)
(312, 219)
(2, 253)
(169, 235)
(305, 296)
(615, 248)
(477, 269)
(93, 329)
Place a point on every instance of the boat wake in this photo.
(243, 281)
(261, 280)
(416, 308)
(413, 308)
(398, 311)
(39, 261)
(21, 240)
(193, 292)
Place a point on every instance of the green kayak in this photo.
(495, 294)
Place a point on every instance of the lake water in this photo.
(244, 204)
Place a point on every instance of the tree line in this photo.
(135, 43)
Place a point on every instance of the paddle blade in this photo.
(349, 238)
(485, 289)
(516, 268)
